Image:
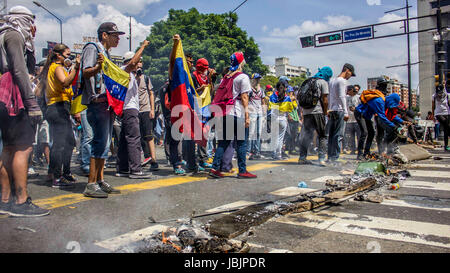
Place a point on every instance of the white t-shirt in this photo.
(441, 106)
(338, 93)
(241, 85)
(132, 97)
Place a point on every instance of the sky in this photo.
(276, 26)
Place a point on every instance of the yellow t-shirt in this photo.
(55, 91)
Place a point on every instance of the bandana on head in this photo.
(21, 23)
(236, 59)
(201, 66)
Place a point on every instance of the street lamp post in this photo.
(57, 18)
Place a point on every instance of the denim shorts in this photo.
(101, 121)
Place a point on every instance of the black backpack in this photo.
(309, 95)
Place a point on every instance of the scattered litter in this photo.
(26, 229)
(347, 172)
(437, 158)
(303, 185)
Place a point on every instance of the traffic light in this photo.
(307, 41)
(330, 38)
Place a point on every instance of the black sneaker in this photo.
(122, 174)
(93, 190)
(70, 178)
(108, 188)
(140, 175)
(27, 209)
(5, 207)
(61, 183)
(154, 167)
(304, 162)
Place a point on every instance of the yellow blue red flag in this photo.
(116, 82)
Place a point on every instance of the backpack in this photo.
(80, 79)
(309, 95)
(224, 94)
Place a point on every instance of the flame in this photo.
(166, 241)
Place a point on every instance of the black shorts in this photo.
(17, 130)
(147, 126)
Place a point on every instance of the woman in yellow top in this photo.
(58, 94)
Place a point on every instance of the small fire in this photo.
(166, 241)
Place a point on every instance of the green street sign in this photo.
(307, 41)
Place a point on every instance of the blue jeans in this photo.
(86, 139)
(101, 121)
(1, 144)
(241, 145)
(336, 135)
(255, 131)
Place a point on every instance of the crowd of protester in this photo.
(324, 116)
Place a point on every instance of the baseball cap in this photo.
(110, 28)
(256, 76)
(128, 56)
(284, 78)
(268, 87)
(351, 68)
(290, 89)
(236, 59)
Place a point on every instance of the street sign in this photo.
(307, 41)
(335, 37)
(357, 34)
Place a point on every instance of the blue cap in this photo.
(256, 76)
(290, 89)
(236, 59)
(284, 78)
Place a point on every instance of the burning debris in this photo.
(190, 237)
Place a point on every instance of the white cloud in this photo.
(373, 2)
(86, 24)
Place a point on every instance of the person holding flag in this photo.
(98, 114)
(129, 153)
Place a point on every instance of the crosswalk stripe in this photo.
(434, 174)
(324, 179)
(271, 250)
(291, 191)
(441, 166)
(430, 205)
(426, 185)
(230, 206)
(115, 243)
(370, 226)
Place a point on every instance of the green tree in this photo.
(211, 36)
(272, 80)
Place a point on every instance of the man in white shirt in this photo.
(129, 152)
(338, 111)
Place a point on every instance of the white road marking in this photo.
(433, 174)
(417, 204)
(271, 250)
(441, 166)
(426, 185)
(234, 205)
(115, 243)
(291, 191)
(324, 179)
(370, 226)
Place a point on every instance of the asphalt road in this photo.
(416, 218)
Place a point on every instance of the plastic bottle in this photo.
(394, 187)
(302, 184)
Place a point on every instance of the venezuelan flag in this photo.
(183, 93)
(284, 105)
(76, 106)
(116, 82)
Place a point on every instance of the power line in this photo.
(239, 6)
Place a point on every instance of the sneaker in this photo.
(140, 175)
(179, 171)
(122, 174)
(108, 188)
(146, 161)
(70, 178)
(210, 160)
(5, 207)
(215, 174)
(206, 165)
(322, 163)
(27, 209)
(61, 183)
(246, 175)
(32, 173)
(304, 162)
(154, 167)
(93, 190)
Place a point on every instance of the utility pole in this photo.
(57, 18)
(130, 33)
(440, 50)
